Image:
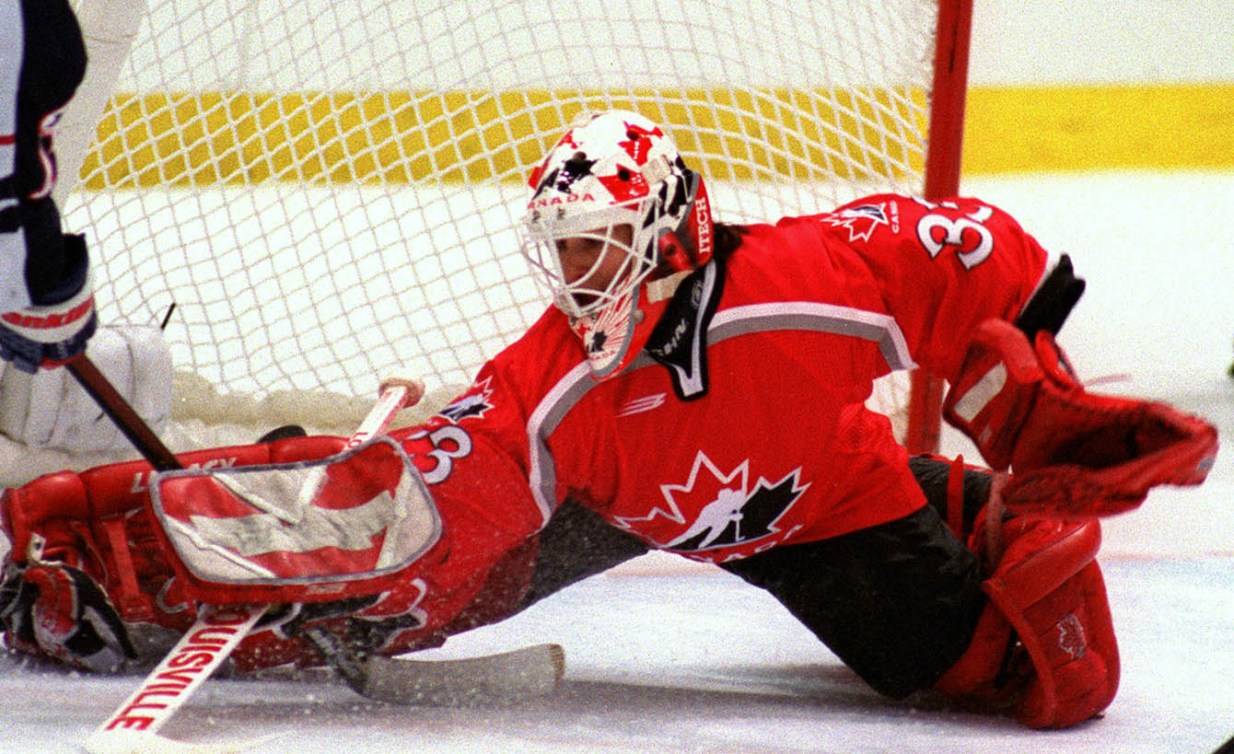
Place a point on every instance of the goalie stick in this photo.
(530, 671)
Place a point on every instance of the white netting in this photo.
(326, 190)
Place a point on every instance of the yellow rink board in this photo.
(1056, 129)
(398, 137)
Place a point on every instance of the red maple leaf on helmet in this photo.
(638, 142)
(624, 185)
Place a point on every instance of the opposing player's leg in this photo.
(46, 302)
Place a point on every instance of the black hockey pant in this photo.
(897, 602)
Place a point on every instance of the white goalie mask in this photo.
(618, 181)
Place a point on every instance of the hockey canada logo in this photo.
(470, 405)
(863, 219)
(714, 509)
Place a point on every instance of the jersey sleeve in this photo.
(942, 268)
(475, 457)
(472, 455)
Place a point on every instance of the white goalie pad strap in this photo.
(49, 409)
(342, 526)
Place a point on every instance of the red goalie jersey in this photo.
(742, 425)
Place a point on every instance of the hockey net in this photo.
(313, 194)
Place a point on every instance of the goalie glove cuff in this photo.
(992, 396)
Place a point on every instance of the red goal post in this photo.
(296, 176)
(942, 179)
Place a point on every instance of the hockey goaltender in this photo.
(696, 387)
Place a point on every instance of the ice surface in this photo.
(665, 658)
(700, 662)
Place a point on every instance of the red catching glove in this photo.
(1075, 454)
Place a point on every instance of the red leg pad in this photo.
(1048, 592)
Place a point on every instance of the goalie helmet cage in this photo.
(327, 192)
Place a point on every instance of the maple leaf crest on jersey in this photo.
(715, 510)
(470, 405)
(862, 220)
